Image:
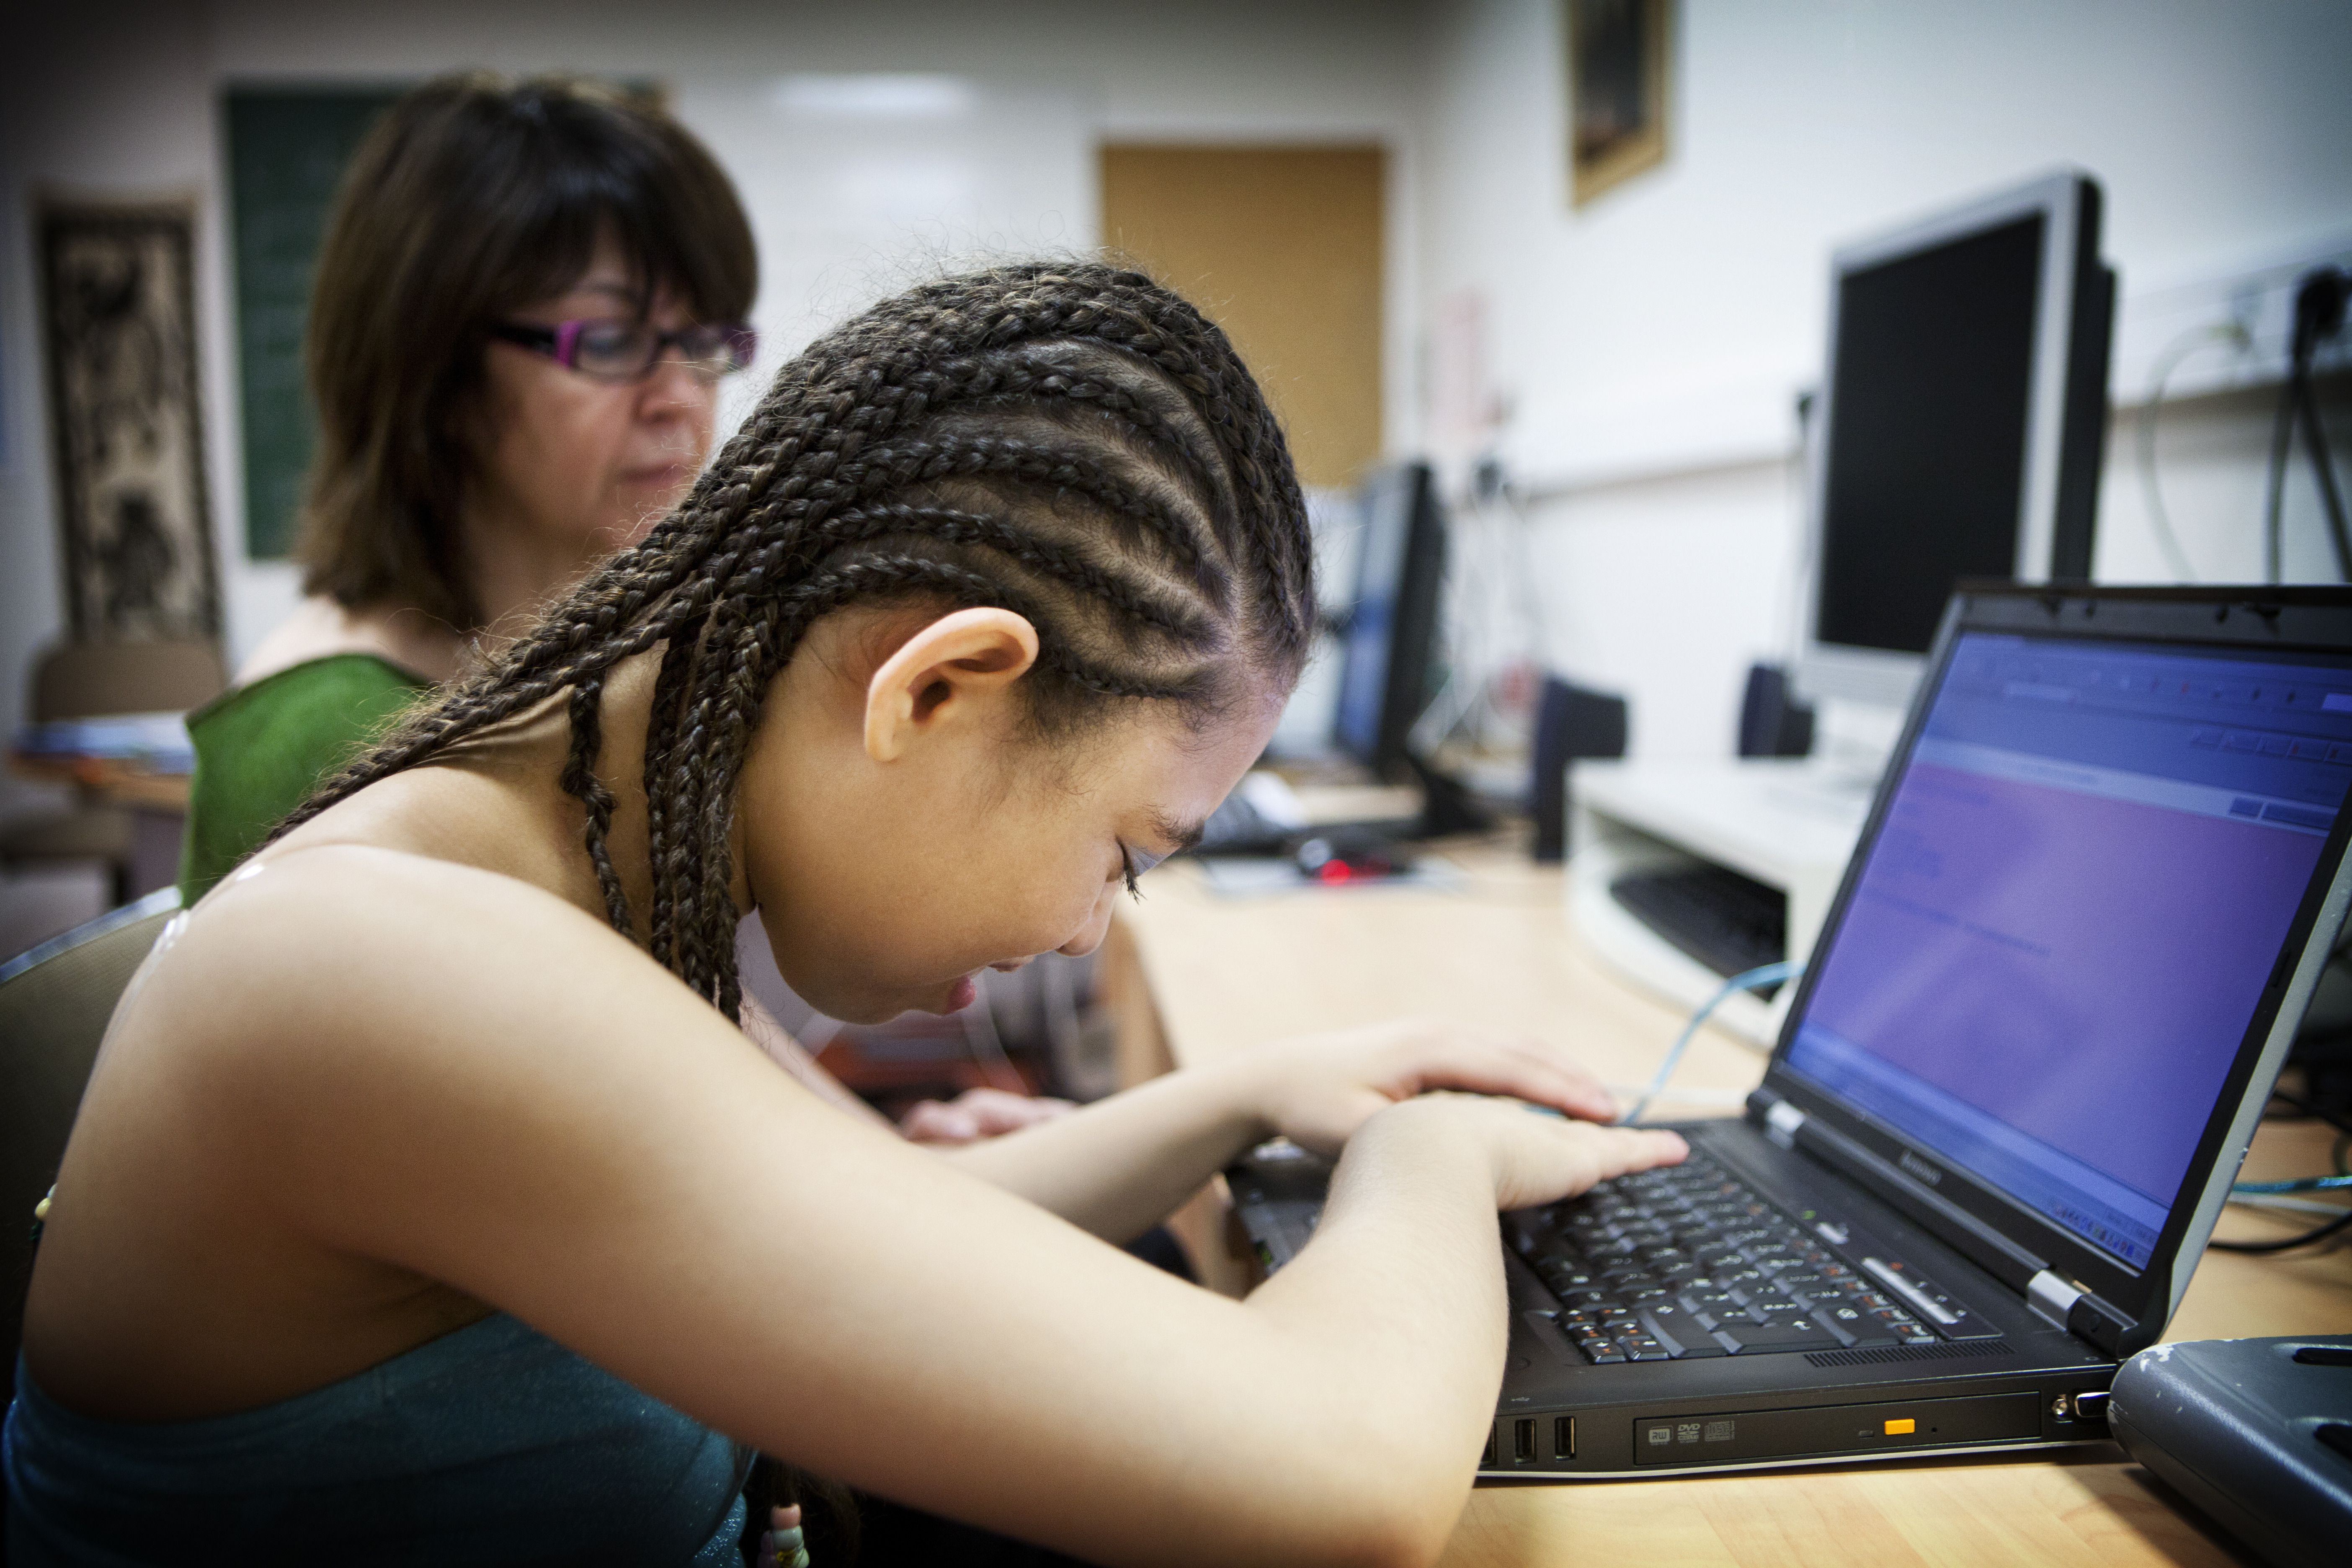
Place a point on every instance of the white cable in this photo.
(2143, 430)
(1746, 980)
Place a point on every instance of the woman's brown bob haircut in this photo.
(473, 196)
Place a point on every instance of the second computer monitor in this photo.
(1963, 424)
(1391, 629)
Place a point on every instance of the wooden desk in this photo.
(114, 783)
(1193, 976)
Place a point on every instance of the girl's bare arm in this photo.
(571, 1137)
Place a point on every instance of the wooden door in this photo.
(1282, 247)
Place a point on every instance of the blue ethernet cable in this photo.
(1747, 980)
(2300, 1185)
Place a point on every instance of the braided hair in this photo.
(1071, 442)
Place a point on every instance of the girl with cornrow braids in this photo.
(426, 1200)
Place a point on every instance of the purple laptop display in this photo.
(2085, 875)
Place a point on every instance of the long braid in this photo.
(581, 783)
(661, 731)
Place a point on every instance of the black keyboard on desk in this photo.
(1727, 922)
(1689, 1261)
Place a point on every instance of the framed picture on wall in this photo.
(1618, 83)
(118, 308)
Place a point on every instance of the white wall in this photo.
(1650, 346)
(122, 97)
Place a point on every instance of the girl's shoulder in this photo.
(333, 956)
(337, 881)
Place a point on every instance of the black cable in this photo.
(2337, 1157)
(2288, 1243)
(2282, 446)
(2305, 1107)
(2319, 303)
(2323, 469)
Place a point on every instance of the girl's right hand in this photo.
(1535, 1157)
(782, 1543)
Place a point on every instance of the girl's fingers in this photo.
(995, 1111)
(932, 1122)
(784, 1544)
(1532, 1075)
(1630, 1149)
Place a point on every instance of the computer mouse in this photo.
(1341, 854)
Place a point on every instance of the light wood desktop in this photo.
(1194, 976)
(109, 780)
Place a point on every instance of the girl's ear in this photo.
(954, 672)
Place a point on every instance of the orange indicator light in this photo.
(1901, 1428)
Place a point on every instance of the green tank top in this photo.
(262, 749)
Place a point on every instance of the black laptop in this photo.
(2095, 890)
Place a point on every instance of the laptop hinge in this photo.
(1781, 1123)
(2051, 1298)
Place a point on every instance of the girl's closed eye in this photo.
(1134, 863)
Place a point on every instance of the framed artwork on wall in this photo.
(117, 305)
(1618, 80)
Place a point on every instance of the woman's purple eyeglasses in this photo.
(626, 351)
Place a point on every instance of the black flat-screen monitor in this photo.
(1391, 629)
(1963, 424)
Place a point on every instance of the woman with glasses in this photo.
(525, 298)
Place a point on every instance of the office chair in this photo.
(54, 1004)
(91, 680)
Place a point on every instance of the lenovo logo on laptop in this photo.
(1920, 1168)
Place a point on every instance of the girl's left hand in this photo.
(1318, 1091)
(979, 1113)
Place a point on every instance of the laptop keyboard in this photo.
(1686, 1262)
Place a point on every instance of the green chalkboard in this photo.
(286, 151)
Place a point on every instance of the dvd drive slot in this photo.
(1734, 1437)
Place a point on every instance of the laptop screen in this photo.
(2063, 926)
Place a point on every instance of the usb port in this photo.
(1523, 1439)
(1563, 1436)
